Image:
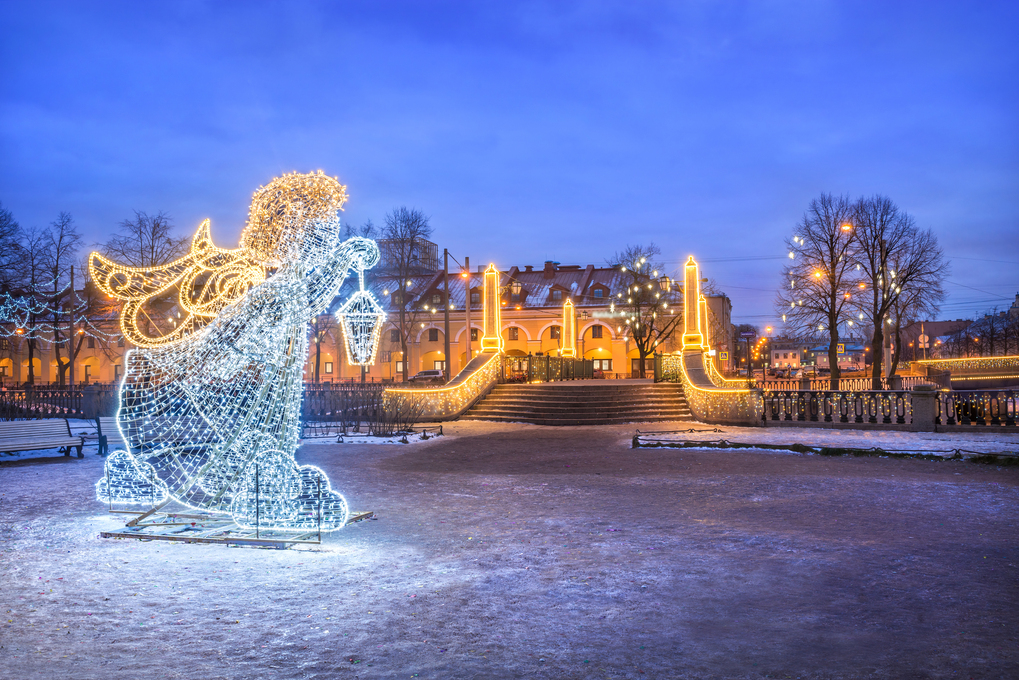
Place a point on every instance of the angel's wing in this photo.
(208, 279)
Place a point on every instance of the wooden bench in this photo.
(109, 435)
(32, 435)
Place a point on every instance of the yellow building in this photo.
(532, 323)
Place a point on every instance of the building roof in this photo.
(577, 283)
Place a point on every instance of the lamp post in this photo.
(445, 311)
(467, 307)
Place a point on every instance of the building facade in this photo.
(532, 308)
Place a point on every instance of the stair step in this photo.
(579, 421)
(570, 403)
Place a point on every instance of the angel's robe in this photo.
(210, 409)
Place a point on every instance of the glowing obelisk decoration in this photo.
(693, 339)
(702, 319)
(569, 339)
(491, 341)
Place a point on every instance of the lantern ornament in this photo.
(361, 318)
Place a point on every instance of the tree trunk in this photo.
(73, 355)
(896, 352)
(833, 360)
(61, 366)
(877, 343)
(403, 330)
(318, 355)
(31, 361)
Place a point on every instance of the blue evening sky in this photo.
(531, 130)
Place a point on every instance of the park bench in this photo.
(32, 435)
(109, 435)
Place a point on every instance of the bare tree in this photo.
(652, 312)
(820, 279)
(31, 279)
(62, 243)
(366, 230)
(321, 327)
(10, 232)
(145, 241)
(404, 230)
(895, 258)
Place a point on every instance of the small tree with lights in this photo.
(651, 306)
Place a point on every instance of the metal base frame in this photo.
(184, 527)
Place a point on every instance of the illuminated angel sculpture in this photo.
(210, 411)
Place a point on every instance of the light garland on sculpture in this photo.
(226, 275)
(131, 481)
(361, 319)
(214, 410)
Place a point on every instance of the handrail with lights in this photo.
(969, 364)
(711, 403)
(452, 400)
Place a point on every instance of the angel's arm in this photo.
(324, 281)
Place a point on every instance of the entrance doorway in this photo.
(649, 368)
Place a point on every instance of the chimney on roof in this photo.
(549, 269)
(529, 268)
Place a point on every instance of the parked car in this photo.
(434, 376)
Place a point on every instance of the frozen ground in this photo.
(519, 551)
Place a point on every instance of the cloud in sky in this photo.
(529, 131)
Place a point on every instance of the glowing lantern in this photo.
(361, 318)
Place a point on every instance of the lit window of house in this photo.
(514, 333)
(554, 332)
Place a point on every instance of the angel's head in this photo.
(293, 220)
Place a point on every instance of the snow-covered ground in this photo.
(988, 440)
(520, 551)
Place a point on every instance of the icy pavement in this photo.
(520, 551)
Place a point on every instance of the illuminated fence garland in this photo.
(450, 401)
(721, 381)
(713, 403)
(970, 364)
(214, 409)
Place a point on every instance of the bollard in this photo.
(924, 408)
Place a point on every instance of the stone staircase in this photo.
(594, 402)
